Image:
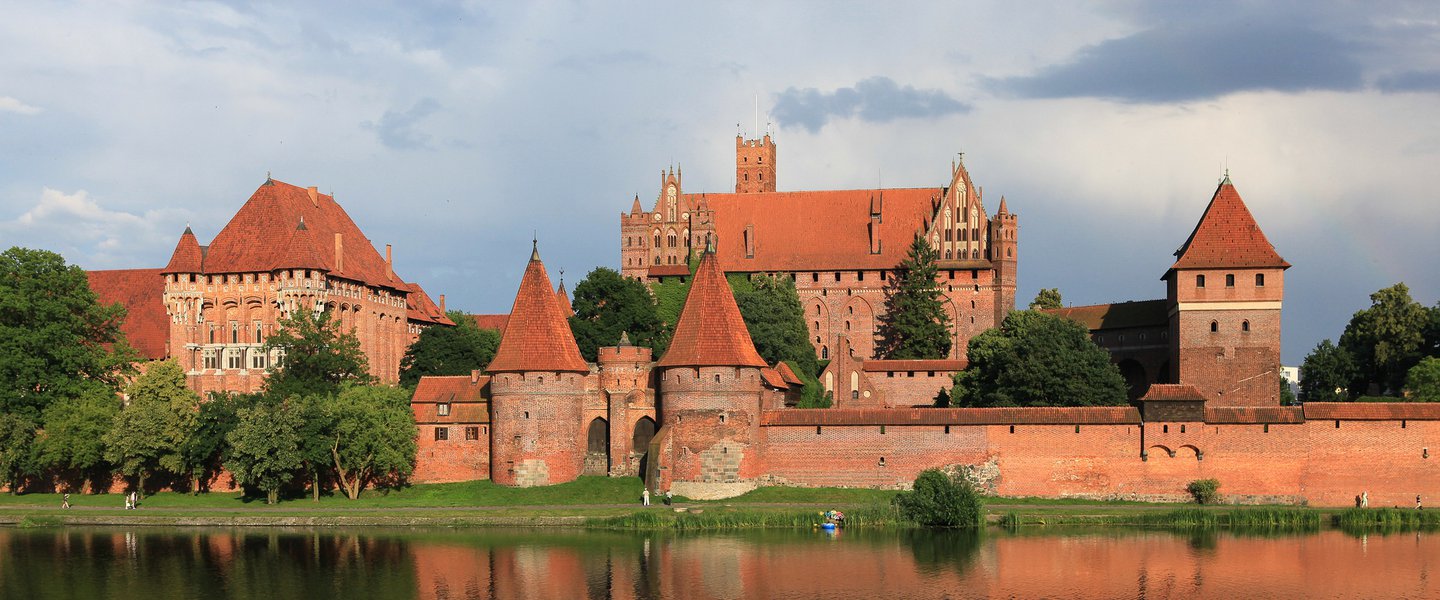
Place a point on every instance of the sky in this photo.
(456, 131)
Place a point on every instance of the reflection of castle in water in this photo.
(448, 564)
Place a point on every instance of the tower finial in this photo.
(534, 246)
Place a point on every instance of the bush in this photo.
(1205, 491)
(940, 501)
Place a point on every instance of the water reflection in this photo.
(450, 564)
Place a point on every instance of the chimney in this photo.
(314, 195)
(474, 376)
(339, 253)
(389, 262)
(442, 303)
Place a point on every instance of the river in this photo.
(310, 564)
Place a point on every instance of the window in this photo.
(233, 359)
(472, 433)
(258, 360)
(1199, 281)
(1214, 327)
(234, 332)
(1259, 280)
(837, 276)
(1229, 280)
(259, 334)
(1245, 326)
(442, 434)
(815, 277)
(859, 276)
(443, 409)
(212, 360)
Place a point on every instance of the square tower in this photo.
(754, 165)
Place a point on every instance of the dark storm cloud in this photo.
(1410, 81)
(1199, 60)
(396, 129)
(877, 99)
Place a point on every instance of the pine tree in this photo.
(915, 324)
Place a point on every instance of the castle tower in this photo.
(1004, 255)
(537, 390)
(711, 392)
(635, 241)
(630, 403)
(754, 165)
(1224, 294)
(184, 300)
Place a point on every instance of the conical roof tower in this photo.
(537, 336)
(710, 331)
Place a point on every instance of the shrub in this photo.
(1205, 491)
(941, 501)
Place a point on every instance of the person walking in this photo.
(645, 497)
(65, 500)
(1417, 503)
(1365, 499)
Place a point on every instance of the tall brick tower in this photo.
(1225, 291)
(1004, 255)
(624, 371)
(754, 165)
(711, 391)
(537, 390)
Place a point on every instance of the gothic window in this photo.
(670, 202)
(670, 239)
(657, 238)
(258, 360)
(212, 360)
(1214, 327)
(975, 253)
(824, 353)
(212, 334)
(686, 235)
(947, 217)
(234, 334)
(948, 253)
(1245, 326)
(232, 358)
(259, 334)
(963, 234)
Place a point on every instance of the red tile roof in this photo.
(564, 299)
(773, 378)
(817, 230)
(1172, 392)
(788, 374)
(947, 365)
(1227, 236)
(187, 258)
(141, 292)
(300, 251)
(669, 270)
(710, 331)
(1372, 411)
(419, 307)
(496, 322)
(464, 394)
(1124, 315)
(258, 237)
(540, 339)
(1089, 415)
(1253, 415)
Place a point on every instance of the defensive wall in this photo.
(1322, 453)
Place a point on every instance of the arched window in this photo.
(657, 238)
(1214, 327)
(824, 353)
(686, 235)
(670, 238)
(1245, 326)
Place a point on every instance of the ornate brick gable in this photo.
(537, 336)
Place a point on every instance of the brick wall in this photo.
(538, 427)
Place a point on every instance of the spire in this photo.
(537, 336)
(535, 251)
(187, 257)
(1003, 209)
(1227, 236)
(635, 207)
(710, 331)
(563, 298)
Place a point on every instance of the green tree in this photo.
(265, 447)
(72, 442)
(1325, 374)
(770, 307)
(941, 501)
(1037, 359)
(915, 324)
(1047, 299)
(56, 340)
(607, 304)
(202, 451)
(317, 426)
(1385, 340)
(147, 435)
(1423, 380)
(373, 437)
(319, 356)
(17, 439)
(1287, 393)
(445, 350)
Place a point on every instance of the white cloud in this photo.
(88, 234)
(8, 104)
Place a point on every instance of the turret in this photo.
(625, 382)
(537, 390)
(1004, 257)
(754, 165)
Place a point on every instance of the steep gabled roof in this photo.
(1227, 236)
(537, 336)
(187, 258)
(710, 331)
(787, 373)
(824, 230)
(299, 252)
(258, 237)
(141, 292)
(420, 308)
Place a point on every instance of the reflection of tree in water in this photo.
(937, 551)
(1203, 541)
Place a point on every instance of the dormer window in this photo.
(442, 409)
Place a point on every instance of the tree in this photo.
(17, 438)
(317, 427)
(443, 350)
(265, 447)
(319, 356)
(201, 452)
(1423, 380)
(1037, 359)
(1287, 393)
(1325, 374)
(915, 324)
(147, 435)
(1047, 299)
(607, 304)
(1385, 340)
(770, 307)
(72, 440)
(56, 342)
(373, 437)
(941, 501)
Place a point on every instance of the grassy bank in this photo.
(742, 517)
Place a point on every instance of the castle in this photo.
(212, 307)
(838, 246)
